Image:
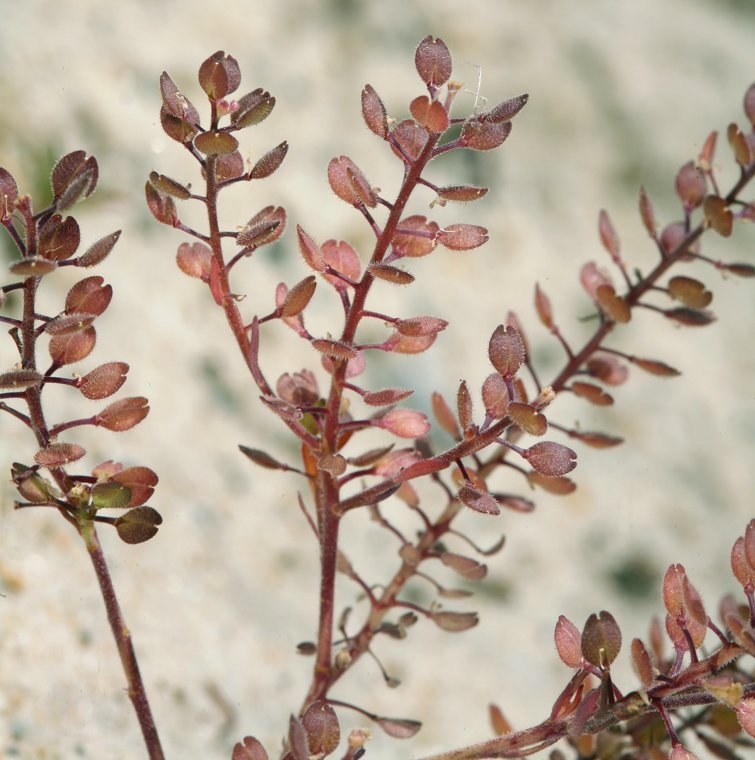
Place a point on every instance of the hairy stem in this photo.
(136, 691)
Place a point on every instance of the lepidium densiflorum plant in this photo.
(502, 441)
(327, 416)
(46, 242)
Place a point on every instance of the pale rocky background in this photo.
(622, 94)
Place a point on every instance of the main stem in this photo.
(327, 487)
(136, 691)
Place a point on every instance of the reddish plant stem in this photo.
(83, 522)
(136, 691)
(327, 489)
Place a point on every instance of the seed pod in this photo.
(433, 61)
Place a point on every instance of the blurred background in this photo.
(621, 95)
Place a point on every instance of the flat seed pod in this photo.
(601, 640)
(335, 349)
(219, 75)
(298, 297)
(8, 193)
(690, 317)
(592, 393)
(342, 258)
(386, 396)
(508, 109)
(527, 418)
(215, 143)
(263, 228)
(559, 486)
(249, 749)
(568, 642)
(461, 193)
(390, 274)
(462, 237)
(253, 108)
(169, 186)
(58, 454)
(103, 381)
(73, 177)
(59, 238)
(466, 567)
(506, 350)
(415, 236)
(551, 459)
(69, 348)
(373, 112)
(270, 162)
(64, 324)
(195, 260)
(484, 135)
(33, 266)
(433, 61)
(310, 251)
(429, 114)
(409, 139)
(322, 729)
(613, 305)
(455, 622)
(161, 206)
(718, 215)
(399, 728)
(19, 379)
(98, 251)
(89, 296)
(478, 500)
(123, 414)
(349, 183)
